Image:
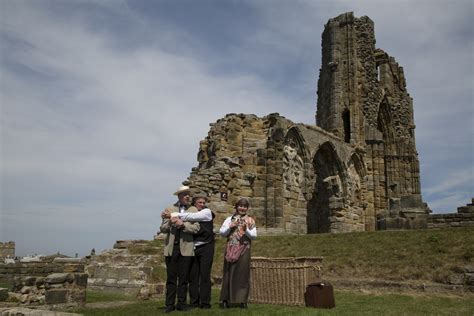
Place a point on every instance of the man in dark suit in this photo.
(200, 278)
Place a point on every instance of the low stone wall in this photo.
(61, 281)
(65, 288)
(123, 270)
(9, 271)
(463, 218)
(54, 289)
(450, 220)
(23, 311)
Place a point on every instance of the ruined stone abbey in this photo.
(357, 169)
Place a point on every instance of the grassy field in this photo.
(421, 255)
(428, 255)
(408, 255)
(347, 303)
(424, 255)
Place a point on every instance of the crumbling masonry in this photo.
(356, 170)
(7, 250)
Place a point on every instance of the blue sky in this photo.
(103, 103)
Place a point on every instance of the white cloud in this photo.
(115, 138)
(454, 180)
(450, 203)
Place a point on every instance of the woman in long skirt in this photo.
(240, 230)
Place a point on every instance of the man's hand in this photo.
(165, 214)
(176, 221)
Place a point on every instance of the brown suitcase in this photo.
(320, 295)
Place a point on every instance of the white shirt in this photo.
(225, 229)
(204, 215)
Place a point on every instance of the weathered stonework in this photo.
(60, 282)
(463, 218)
(7, 250)
(120, 270)
(8, 272)
(357, 170)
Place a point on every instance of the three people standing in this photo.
(189, 252)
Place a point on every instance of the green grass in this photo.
(347, 303)
(420, 255)
(428, 255)
(431, 255)
(94, 296)
(5, 284)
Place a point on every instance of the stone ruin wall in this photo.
(356, 170)
(463, 218)
(235, 160)
(7, 250)
(362, 98)
(330, 186)
(270, 160)
(59, 281)
(132, 267)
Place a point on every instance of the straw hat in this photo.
(181, 189)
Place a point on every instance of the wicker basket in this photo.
(282, 280)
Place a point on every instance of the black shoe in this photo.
(192, 306)
(205, 306)
(243, 305)
(169, 309)
(224, 304)
(183, 308)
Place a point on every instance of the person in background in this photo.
(178, 250)
(240, 230)
(200, 277)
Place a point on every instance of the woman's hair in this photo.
(242, 201)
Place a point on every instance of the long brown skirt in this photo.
(236, 280)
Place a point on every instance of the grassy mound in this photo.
(422, 255)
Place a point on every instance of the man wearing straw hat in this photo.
(178, 250)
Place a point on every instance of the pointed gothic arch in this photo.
(295, 178)
(329, 189)
(295, 160)
(385, 126)
(295, 139)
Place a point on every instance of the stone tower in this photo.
(356, 170)
(7, 249)
(362, 98)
